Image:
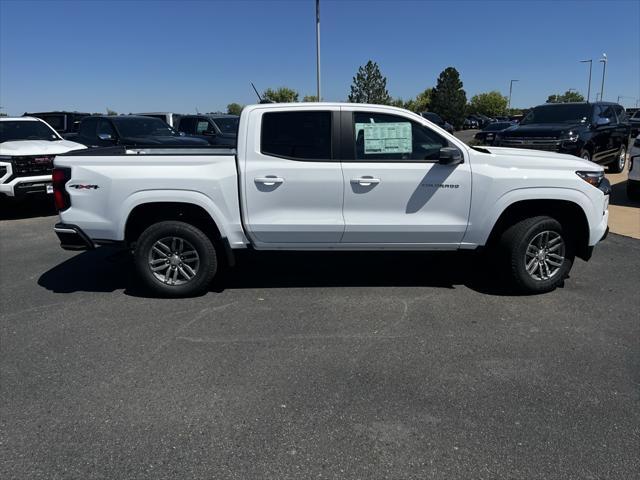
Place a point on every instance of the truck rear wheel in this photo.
(175, 259)
(539, 254)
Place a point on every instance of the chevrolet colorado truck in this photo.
(331, 176)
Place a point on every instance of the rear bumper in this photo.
(72, 237)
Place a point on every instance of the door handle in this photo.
(365, 181)
(269, 180)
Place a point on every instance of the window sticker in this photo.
(381, 138)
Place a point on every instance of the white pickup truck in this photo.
(330, 176)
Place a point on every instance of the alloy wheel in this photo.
(544, 256)
(173, 260)
(622, 158)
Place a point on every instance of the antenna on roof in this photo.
(261, 100)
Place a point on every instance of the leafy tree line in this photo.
(448, 98)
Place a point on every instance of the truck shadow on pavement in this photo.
(108, 270)
(619, 196)
(11, 209)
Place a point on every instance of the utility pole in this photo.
(318, 48)
(604, 69)
(510, 90)
(589, 88)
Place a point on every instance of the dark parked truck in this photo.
(216, 129)
(598, 132)
(131, 130)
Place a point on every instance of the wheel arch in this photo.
(570, 215)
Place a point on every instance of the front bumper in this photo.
(72, 237)
(22, 186)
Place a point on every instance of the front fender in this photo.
(483, 219)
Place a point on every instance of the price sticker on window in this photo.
(383, 138)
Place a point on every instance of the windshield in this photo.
(26, 130)
(227, 124)
(494, 127)
(143, 127)
(569, 113)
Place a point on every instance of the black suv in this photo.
(130, 130)
(216, 129)
(594, 131)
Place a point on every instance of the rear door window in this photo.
(297, 135)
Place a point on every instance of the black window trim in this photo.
(347, 150)
(335, 138)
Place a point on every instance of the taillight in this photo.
(61, 175)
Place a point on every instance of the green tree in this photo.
(490, 104)
(280, 95)
(423, 101)
(111, 113)
(369, 86)
(310, 98)
(448, 98)
(234, 108)
(568, 96)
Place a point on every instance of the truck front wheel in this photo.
(175, 259)
(539, 254)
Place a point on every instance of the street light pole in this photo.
(589, 88)
(318, 48)
(604, 69)
(510, 90)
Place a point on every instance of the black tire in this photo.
(585, 155)
(514, 245)
(205, 270)
(617, 166)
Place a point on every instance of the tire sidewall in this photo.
(202, 244)
(518, 251)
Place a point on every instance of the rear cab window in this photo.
(297, 135)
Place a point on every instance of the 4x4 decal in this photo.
(84, 187)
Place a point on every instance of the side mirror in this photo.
(450, 156)
(601, 122)
(105, 136)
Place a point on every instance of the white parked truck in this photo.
(331, 176)
(27, 148)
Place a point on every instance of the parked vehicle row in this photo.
(330, 176)
(437, 119)
(130, 130)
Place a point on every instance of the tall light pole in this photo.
(318, 48)
(589, 88)
(510, 90)
(604, 69)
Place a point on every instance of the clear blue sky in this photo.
(176, 56)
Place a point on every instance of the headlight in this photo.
(571, 137)
(593, 178)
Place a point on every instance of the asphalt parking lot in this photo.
(317, 365)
